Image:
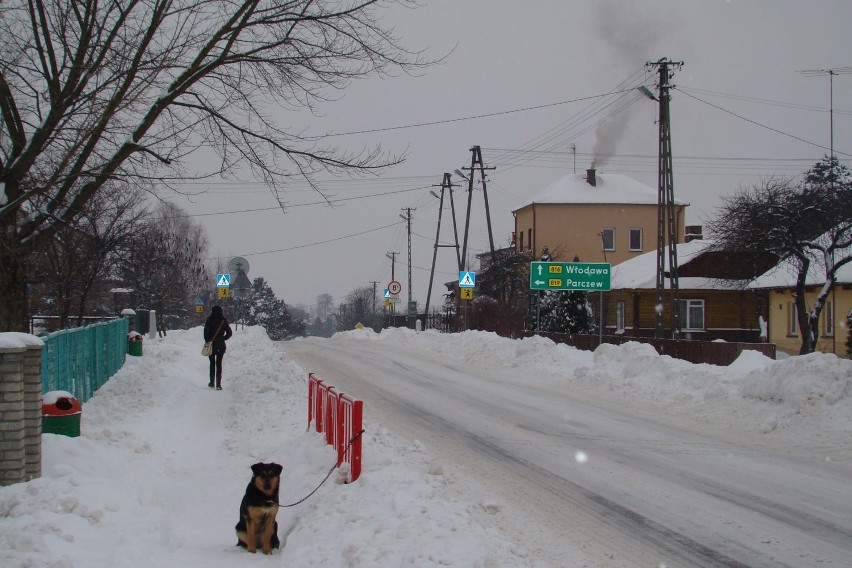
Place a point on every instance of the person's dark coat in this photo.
(213, 322)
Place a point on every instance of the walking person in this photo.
(217, 330)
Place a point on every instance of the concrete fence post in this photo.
(32, 412)
(12, 451)
(20, 407)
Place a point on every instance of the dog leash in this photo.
(335, 466)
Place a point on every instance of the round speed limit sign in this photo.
(394, 287)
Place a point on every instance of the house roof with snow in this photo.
(640, 273)
(784, 274)
(608, 189)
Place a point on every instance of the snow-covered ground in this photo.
(157, 476)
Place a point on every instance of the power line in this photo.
(622, 163)
(654, 157)
(559, 134)
(762, 125)
(464, 118)
(317, 242)
(330, 201)
(296, 185)
(757, 100)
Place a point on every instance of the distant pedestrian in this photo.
(217, 330)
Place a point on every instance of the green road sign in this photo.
(591, 277)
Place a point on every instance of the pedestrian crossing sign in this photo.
(467, 279)
(223, 280)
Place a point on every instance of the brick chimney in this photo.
(590, 177)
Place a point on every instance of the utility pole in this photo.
(574, 151)
(392, 256)
(666, 221)
(446, 186)
(392, 317)
(475, 162)
(407, 218)
(375, 283)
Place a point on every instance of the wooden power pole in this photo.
(446, 186)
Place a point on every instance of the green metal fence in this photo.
(81, 360)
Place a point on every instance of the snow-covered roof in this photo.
(609, 189)
(641, 272)
(784, 275)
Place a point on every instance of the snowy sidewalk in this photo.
(157, 476)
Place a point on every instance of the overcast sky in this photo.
(741, 112)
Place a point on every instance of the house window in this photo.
(521, 241)
(691, 315)
(635, 239)
(619, 317)
(828, 319)
(608, 238)
(792, 320)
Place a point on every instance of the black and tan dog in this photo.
(257, 527)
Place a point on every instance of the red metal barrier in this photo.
(350, 428)
(340, 418)
(332, 416)
(315, 408)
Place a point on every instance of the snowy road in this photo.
(575, 475)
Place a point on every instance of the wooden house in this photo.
(715, 301)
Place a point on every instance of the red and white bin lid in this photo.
(60, 403)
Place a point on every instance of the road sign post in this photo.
(586, 276)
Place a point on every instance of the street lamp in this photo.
(647, 92)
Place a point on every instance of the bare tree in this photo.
(325, 305)
(128, 90)
(66, 269)
(808, 224)
(164, 265)
(359, 307)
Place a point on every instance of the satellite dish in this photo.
(238, 264)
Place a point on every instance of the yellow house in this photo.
(778, 286)
(594, 216)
